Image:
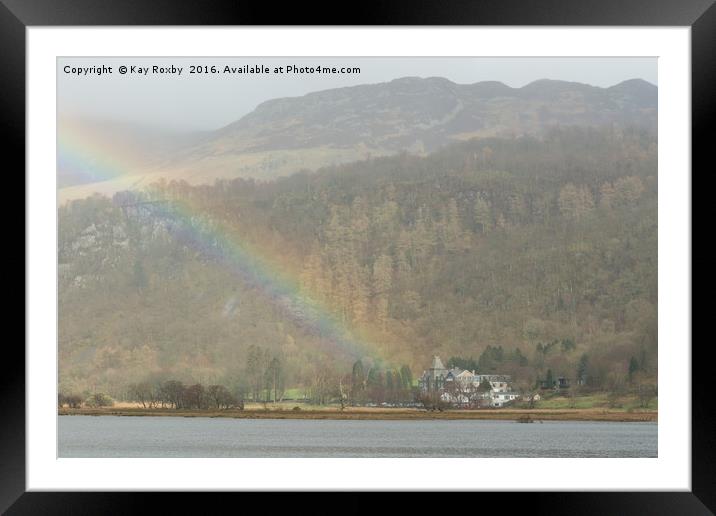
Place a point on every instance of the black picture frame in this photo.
(16, 15)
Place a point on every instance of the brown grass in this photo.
(379, 413)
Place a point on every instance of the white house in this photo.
(500, 399)
(461, 386)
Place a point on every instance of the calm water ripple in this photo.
(114, 436)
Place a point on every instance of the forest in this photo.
(529, 256)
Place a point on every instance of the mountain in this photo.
(543, 250)
(411, 114)
(424, 114)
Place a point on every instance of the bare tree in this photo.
(220, 397)
(142, 393)
(172, 393)
(342, 394)
(646, 392)
(195, 396)
(74, 400)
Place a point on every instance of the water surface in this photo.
(164, 436)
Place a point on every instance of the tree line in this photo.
(507, 243)
(174, 394)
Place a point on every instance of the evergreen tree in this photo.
(357, 381)
(582, 369)
(633, 367)
(549, 379)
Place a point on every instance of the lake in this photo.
(165, 436)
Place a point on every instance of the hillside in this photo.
(336, 126)
(425, 114)
(523, 253)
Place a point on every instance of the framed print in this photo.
(431, 249)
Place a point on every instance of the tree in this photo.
(73, 400)
(323, 382)
(390, 385)
(99, 399)
(568, 345)
(194, 397)
(342, 394)
(549, 379)
(633, 367)
(627, 190)
(406, 377)
(172, 393)
(69, 400)
(575, 201)
(607, 195)
(255, 371)
(582, 369)
(616, 390)
(275, 378)
(465, 363)
(453, 237)
(428, 400)
(483, 216)
(646, 392)
(220, 397)
(381, 286)
(376, 385)
(533, 329)
(519, 358)
(490, 359)
(139, 276)
(143, 393)
(377, 240)
(572, 398)
(532, 401)
(357, 382)
(241, 389)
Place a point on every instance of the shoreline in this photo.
(352, 413)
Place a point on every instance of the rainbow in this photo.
(220, 243)
(79, 151)
(90, 156)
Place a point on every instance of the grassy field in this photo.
(552, 406)
(596, 401)
(282, 411)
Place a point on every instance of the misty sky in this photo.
(201, 101)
